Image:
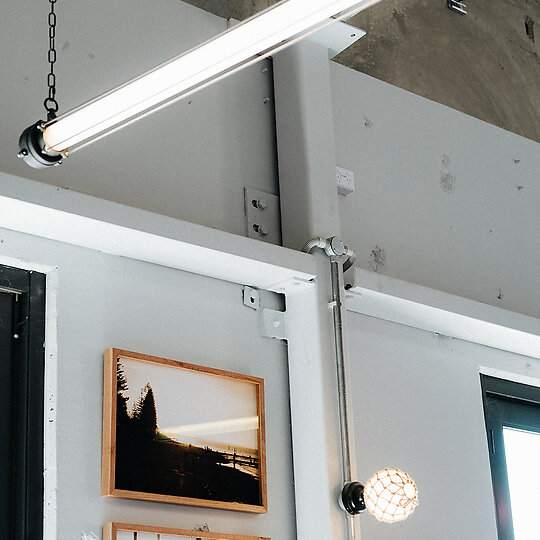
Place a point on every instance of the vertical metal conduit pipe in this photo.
(336, 275)
(335, 249)
(337, 308)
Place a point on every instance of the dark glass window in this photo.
(512, 413)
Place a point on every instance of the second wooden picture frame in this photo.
(128, 531)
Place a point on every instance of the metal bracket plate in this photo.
(337, 37)
(262, 215)
(252, 297)
(274, 324)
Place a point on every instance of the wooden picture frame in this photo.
(180, 433)
(113, 531)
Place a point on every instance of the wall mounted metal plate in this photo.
(263, 216)
(251, 297)
(274, 324)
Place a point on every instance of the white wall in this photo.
(190, 160)
(452, 201)
(448, 202)
(97, 301)
(418, 406)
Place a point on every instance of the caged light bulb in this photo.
(391, 495)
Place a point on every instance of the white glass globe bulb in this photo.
(391, 495)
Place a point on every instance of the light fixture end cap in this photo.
(32, 148)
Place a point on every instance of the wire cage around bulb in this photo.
(391, 495)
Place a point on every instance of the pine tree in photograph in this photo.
(143, 414)
(148, 416)
(122, 417)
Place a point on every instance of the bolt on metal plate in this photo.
(263, 219)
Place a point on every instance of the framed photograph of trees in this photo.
(180, 433)
(125, 531)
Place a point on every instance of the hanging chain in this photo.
(50, 103)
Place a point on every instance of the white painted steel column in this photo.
(305, 143)
(314, 421)
(309, 208)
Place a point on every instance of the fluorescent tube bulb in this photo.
(254, 36)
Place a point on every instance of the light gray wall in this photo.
(448, 202)
(190, 160)
(105, 301)
(418, 407)
(442, 199)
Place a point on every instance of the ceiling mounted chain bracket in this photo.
(32, 147)
(50, 103)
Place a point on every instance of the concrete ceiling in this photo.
(485, 64)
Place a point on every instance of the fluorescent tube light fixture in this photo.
(45, 143)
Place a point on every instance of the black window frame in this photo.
(511, 404)
(28, 357)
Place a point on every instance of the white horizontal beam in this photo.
(436, 311)
(59, 214)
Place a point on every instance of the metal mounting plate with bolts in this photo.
(262, 215)
(252, 297)
(274, 324)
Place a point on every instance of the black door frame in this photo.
(28, 289)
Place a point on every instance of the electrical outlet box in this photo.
(344, 181)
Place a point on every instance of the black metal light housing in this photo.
(352, 498)
(32, 148)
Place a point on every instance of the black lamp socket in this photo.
(32, 148)
(352, 498)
